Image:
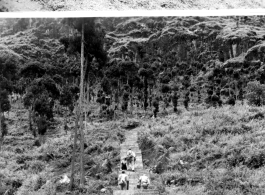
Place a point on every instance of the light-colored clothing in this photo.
(131, 153)
(122, 180)
(131, 163)
(144, 181)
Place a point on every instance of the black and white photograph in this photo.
(159, 105)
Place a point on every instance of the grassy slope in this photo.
(212, 141)
(99, 5)
(23, 163)
(224, 149)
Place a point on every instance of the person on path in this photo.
(131, 158)
(144, 181)
(124, 164)
(123, 180)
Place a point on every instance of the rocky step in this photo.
(124, 154)
(131, 133)
(136, 192)
(128, 144)
(132, 146)
(146, 192)
(131, 138)
(150, 188)
(128, 141)
(125, 149)
(123, 192)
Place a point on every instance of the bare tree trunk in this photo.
(132, 100)
(74, 151)
(33, 119)
(86, 99)
(82, 176)
(65, 122)
(30, 122)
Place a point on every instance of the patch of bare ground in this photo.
(101, 5)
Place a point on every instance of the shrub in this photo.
(37, 166)
(30, 185)
(62, 163)
(255, 93)
(231, 101)
(156, 107)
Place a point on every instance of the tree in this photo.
(147, 74)
(67, 100)
(255, 93)
(81, 98)
(93, 43)
(175, 98)
(39, 98)
(8, 71)
(129, 69)
(186, 100)
(89, 43)
(4, 106)
(125, 99)
(156, 106)
(32, 70)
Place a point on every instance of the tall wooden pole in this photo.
(74, 151)
(82, 175)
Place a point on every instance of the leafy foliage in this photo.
(256, 93)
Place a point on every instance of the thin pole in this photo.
(82, 176)
(74, 151)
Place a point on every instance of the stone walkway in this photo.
(131, 142)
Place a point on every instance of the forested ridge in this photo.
(195, 83)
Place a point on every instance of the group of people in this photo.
(129, 163)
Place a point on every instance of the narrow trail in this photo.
(131, 142)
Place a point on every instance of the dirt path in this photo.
(104, 5)
(131, 142)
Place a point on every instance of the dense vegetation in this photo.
(200, 77)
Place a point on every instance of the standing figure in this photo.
(131, 158)
(124, 164)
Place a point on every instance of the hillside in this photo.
(59, 5)
(176, 89)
